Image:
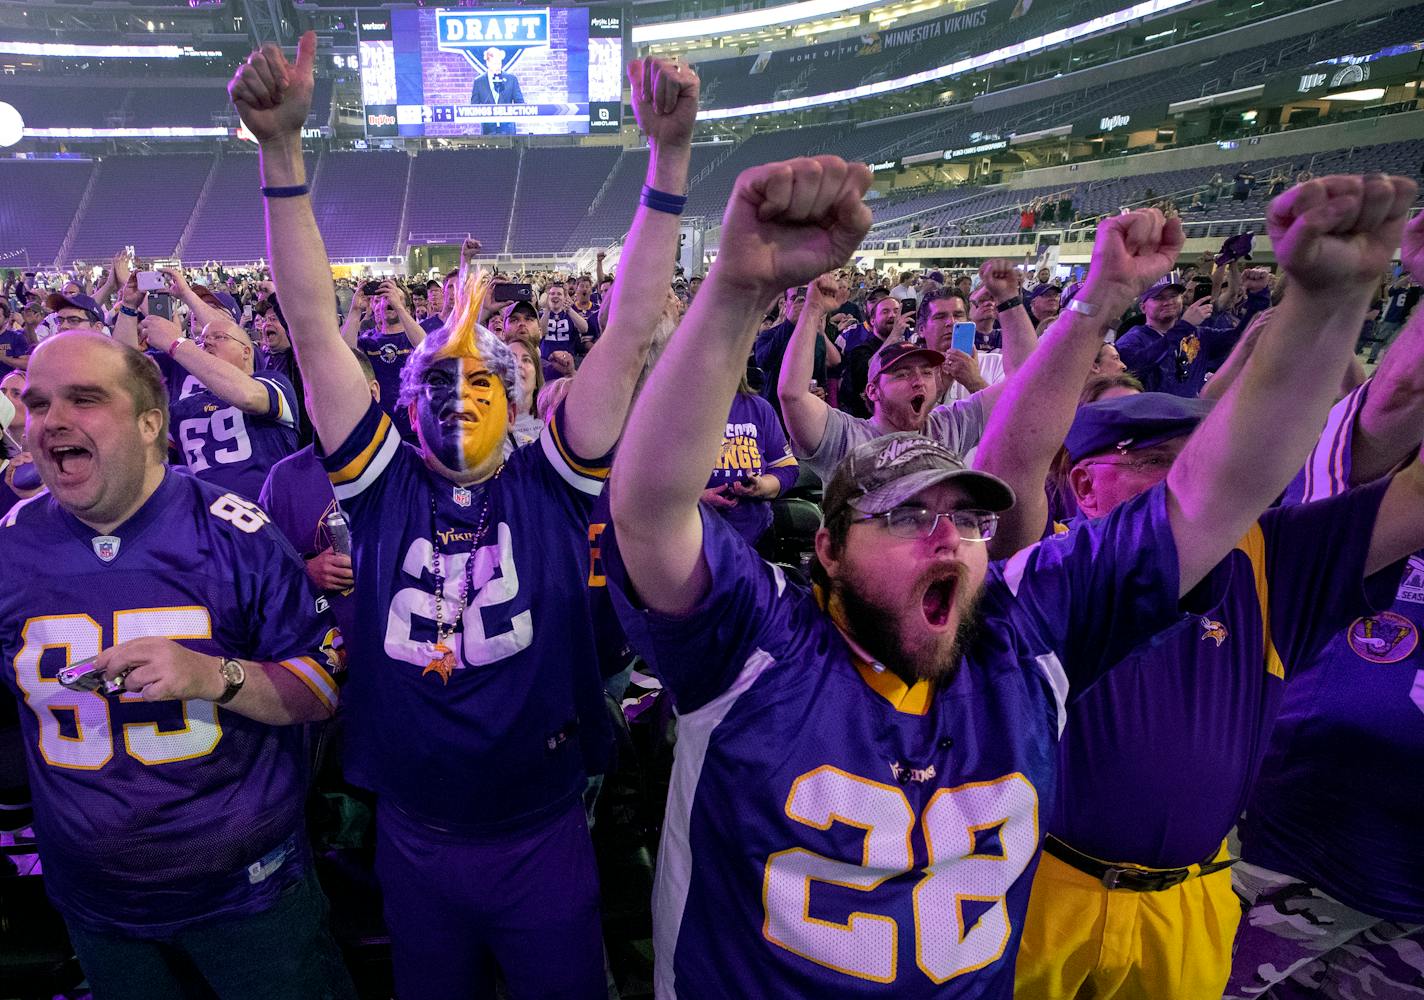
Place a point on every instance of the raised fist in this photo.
(272, 96)
(664, 99)
(1131, 251)
(788, 222)
(1338, 233)
(821, 294)
(1001, 278)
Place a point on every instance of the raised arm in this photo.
(579, 324)
(1332, 236)
(178, 287)
(785, 223)
(228, 382)
(803, 412)
(125, 326)
(1017, 336)
(1399, 525)
(1225, 285)
(665, 102)
(396, 296)
(273, 98)
(351, 327)
(1391, 422)
(1027, 426)
(1235, 362)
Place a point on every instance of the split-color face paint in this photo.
(461, 413)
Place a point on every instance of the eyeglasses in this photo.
(1146, 465)
(919, 522)
(66, 321)
(214, 338)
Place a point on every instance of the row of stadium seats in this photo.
(955, 127)
(54, 102)
(976, 212)
(212, 207)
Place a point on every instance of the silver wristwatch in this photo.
(234, 676)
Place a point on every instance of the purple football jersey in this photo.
(297, 496)
(14, 344)
(754, 445)
(177, 379)
(152, 816)
(235, 450)
(492, 738)
(559, 335)
(1183, 721)
(388, 354)
(1338, 803)
(831, 832)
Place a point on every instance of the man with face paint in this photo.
(481, 699)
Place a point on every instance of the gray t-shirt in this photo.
(957, 425)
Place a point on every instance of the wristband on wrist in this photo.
(173, 347)
(1086, 308)
(290, 191)
(662, 201)
(130, 312)
(1012, 303)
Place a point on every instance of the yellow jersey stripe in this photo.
(1254, 547)
(599, 472)
(353, 469)
(310, 673)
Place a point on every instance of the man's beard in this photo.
(875, 627)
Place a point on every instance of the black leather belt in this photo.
(1135, 879)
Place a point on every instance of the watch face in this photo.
(233, 672)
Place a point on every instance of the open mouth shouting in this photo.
(917, 403)
(72, 463)
(937, 601)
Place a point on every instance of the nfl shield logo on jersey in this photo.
(462, 496)
(106, 547)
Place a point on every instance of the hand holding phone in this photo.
(512, 291)
(963, 338)
(152, 281)
(86, 676)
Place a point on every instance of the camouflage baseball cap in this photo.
(882, 474)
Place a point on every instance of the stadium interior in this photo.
(994, 129)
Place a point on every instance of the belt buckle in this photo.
(1111, 877)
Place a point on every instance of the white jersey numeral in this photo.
(225, 427)
(89, 743)
(487, 591)
(980, 838)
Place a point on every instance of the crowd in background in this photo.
(1021, 556)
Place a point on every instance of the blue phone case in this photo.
(963, 339)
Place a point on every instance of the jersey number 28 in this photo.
(979, 836)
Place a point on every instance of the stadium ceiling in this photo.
(1029, 46)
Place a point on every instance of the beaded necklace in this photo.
(444, 662)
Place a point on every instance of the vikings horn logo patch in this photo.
(1212, 629)
(1383, 638)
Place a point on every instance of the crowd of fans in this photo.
(1108, 564)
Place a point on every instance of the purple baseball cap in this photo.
(57, 301)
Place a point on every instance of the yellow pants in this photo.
(1084, 942)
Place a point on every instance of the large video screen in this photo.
(430, 73)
